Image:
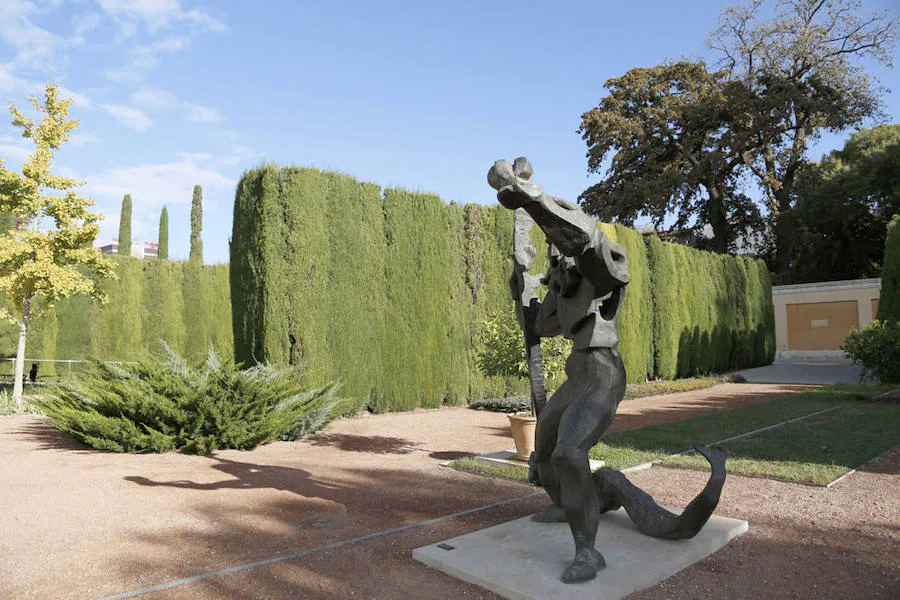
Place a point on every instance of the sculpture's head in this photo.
(513, 182)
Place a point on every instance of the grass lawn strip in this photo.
(483, 467)
(628, 448)
(818, 449)
(668, 441)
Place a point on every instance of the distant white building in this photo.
(138, 249)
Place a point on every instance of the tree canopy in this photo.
(802, 71)
(685, 140)
(844, 204)
(673, 147)
(48, 254)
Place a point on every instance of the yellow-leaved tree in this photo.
(48, 253)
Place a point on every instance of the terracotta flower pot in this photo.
(523, 434)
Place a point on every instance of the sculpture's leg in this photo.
(544, 443)
(598, 383)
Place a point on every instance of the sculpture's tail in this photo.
(614, 490)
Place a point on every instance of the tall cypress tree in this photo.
(125, 227)
(197, 225)
(163, 240)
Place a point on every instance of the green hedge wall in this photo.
(889, 303)
(711, 312)
(386, 290)
(186, 305)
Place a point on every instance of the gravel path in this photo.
(77, 523)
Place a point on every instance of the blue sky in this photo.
(423, 95)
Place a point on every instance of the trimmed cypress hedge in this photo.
(711, 312)
(148, 303)
(387, 291)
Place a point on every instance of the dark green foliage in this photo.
(163, 239)
(889, 302)
(125, 227)
(844, 204)
(876, 346)
(197, 225)
(162, 405)
(711, 312)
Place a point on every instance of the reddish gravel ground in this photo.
(79, 523)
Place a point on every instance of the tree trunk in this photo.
(19, 376)
(784, 243)
(718, 220)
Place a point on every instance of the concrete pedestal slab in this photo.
(523, 560)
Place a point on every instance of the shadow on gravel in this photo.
(230, 530)
(244, 476)
(633, 419)
(377, 444)
(48, 438)
(503, 431)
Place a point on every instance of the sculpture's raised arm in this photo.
(574, 234)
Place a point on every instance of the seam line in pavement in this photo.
(302, 553)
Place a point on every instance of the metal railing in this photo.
(67, 362)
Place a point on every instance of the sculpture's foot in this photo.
(585, 566)
(551, 514)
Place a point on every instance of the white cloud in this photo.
(238, 153)
(129, 117)
(11, 84)
(152, 186)
(85, 23)
(156, 14)
(34, 46)
(78, 100)
(153, 98)
(195, 156)
(201, 114)
(144, 58)
(14, 152)
(80, 140)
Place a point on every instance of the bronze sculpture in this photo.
(586, 283)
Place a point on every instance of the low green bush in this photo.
(510, 404)
(876, 346)
(166, 404)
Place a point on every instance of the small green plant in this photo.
(510, 404)
(166, 404)
(502, 351)
(876, 346)
(8, 404)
